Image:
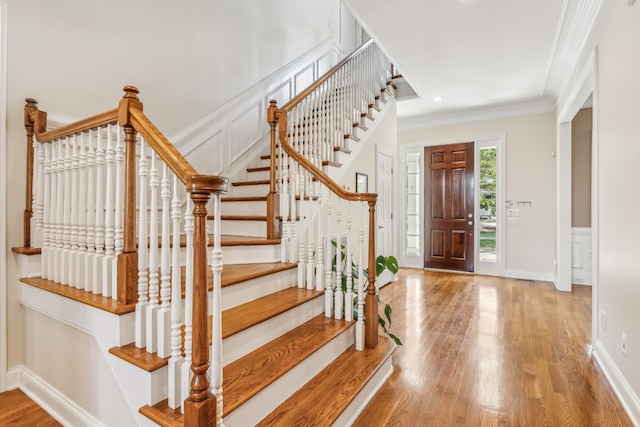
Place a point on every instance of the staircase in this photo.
(283, 353)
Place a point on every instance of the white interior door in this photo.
(384, 246)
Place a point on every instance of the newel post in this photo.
(128, 259)
(272, 119)
(30, 108)
(200, 406)
(371, 301)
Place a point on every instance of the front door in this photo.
(449, 207)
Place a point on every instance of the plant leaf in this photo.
(381, 322)
(394, 338)
(381, 264)
(387, 313)
(392, 264)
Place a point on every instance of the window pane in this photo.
(487, 205)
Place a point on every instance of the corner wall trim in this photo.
(620, 386)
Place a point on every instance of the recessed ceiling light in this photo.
(437, 99)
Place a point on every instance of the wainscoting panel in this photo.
(581, 255)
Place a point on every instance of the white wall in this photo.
(530, 177)
(187, 59)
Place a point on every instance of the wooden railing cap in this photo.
(208, 184)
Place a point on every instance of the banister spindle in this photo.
(108, 278)
(319, 247)
(216, 323)
(38, 196)
(75, 230)
(81, 256)
(98, 285)
(143, 274)
(187, 374)
(348, 297)
(361, 281)
(91, 213)
(53, 214)
(176, 360)
(339, 293)
(46, 213)
(66, 214)
(152, 308)
(164, 312)
(60, 215)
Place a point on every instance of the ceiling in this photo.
(482, 57)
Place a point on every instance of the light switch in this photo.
(513, 212)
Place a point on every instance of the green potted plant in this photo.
(382, 263)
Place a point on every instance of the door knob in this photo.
(470, 215)
(470, 222)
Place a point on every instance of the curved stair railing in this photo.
(321, 221)
(107, 203)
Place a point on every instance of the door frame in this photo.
(479, 141)
(3, 195)
(382, 151)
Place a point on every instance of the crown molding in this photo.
(574, 28)
(491, 112)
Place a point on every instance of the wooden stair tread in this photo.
(241, 217)
(246, 315)
(139, 357)
(80, 295)
(231, 240)
(254, 372)
(321, 401)
(259, 169)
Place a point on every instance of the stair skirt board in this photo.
(244, 342)
(263, 403)
(351, 413)
(250, 254)
(251, 289)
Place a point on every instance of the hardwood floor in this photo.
(486, 351)
(18, 410)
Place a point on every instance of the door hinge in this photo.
(391, 215)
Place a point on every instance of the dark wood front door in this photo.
(449, 207)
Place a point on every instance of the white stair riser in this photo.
(263, 403)
(249, 190)
(237, 345)
(244, 208)
(244, 228)
(250, 254)
(259, 175)
(249, 290)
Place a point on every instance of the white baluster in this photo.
(74, 281)
(361, 281)
(91, 213)
(309, 224)
(216, 326)
(284, 203)
(339, 295)
(143, 274)
(52, 267)
(319, 248)
(98, 285)
(38, 195)
(164, 313)
(176, 360)
(154, 278)
(108, 277)
(119, 203)
(328, 282)
(66, 214)
(348, 298)
(46, 213)
(187, 374)
(300, 232)
(60, 215)
(81, 255)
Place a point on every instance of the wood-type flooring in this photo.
(488, 351)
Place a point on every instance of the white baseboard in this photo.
(620, 386)
(51, 400)
(529, 275)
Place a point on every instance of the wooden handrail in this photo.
(43, 135)
(318, 174)
(302, 95)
